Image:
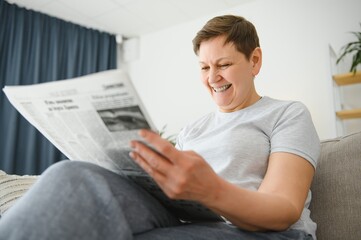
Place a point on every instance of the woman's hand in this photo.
(180, 174)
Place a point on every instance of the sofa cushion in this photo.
(336, 189)
(13, 187)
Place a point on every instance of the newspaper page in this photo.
(93, 118)
(90, 118)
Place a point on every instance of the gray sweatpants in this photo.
(78, 200)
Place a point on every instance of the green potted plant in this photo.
(354, 48)
(170, 138)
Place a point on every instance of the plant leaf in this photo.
(350, 48)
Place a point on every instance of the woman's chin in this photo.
(221, 101)
(223, 107)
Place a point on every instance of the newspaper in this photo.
(93, 118)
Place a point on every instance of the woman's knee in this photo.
(69, 170)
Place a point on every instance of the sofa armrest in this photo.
(12, 187)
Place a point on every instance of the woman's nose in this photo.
(213, 76)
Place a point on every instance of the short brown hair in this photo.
(236, 29)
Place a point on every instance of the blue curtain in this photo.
(36, 48)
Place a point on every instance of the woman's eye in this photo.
(204, 68)
(224, 66)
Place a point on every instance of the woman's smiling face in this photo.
(228, 75)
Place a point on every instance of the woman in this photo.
(252, 162)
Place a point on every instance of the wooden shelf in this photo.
(347, 78)
(349, 114)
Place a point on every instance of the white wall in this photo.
(294, 36)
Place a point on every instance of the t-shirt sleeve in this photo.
(295, 133)
(179, 140)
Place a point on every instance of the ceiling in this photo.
(128, 18)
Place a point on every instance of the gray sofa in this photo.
(336, 189)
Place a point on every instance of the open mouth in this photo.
(221, 89)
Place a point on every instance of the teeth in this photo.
(221, 89)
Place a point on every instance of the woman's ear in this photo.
(256, 59)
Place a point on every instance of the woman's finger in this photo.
(162, 146)
(158, 176)
(150, 158)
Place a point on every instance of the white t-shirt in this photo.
(238, 144)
